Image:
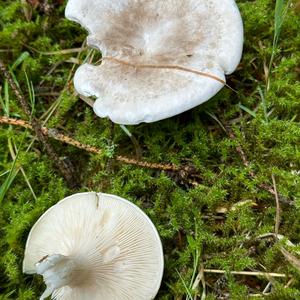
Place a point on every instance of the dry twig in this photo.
(247, 273)
(53, 133)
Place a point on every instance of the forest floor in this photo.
(227, 208)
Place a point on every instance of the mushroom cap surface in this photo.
(114, 245)
(205, 35)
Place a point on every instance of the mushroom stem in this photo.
(57, 272)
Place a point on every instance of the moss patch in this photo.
(215, 221)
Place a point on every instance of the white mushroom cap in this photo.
(204, 35)
(95, 246)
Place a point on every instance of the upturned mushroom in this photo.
(95, 246)
(160, 58)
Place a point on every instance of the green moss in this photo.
(194, 232)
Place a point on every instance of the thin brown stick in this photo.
(166, 67)
(246, 273)
(277, 218)
(66, 170)
(149, 165)
(53, 133)
(15, 122)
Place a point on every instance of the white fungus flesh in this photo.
(95, 246)
(142, 43)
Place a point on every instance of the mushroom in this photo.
(160, 58)
(95, 246)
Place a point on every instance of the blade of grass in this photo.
(196, 257)
(280, 13)
(134, 141)
(292, 259)
(214, 117)
(5, 101)
(11, 144)
(7, 183)
(247, 110)
(189, 295)
(51, 110)
(31, 93)
(65, 170)
(4, 173)
(13, 150)
(12, 174)
(3, 104)
(20, 60)
(264, 103)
